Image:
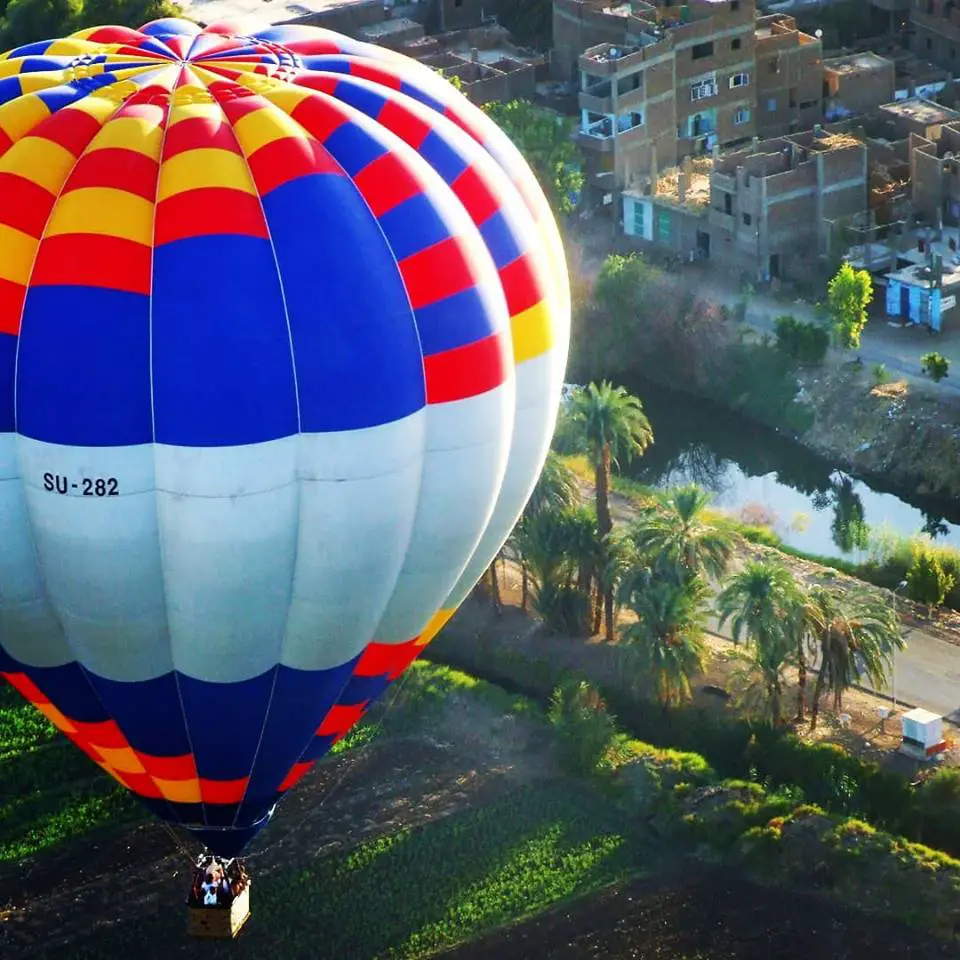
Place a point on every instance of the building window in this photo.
(929, 44)
(807, 104)
(639, 220)
(741, 116)
(627, 121)
(703, 89)
(734, 5)
(775, 65)
(728, 204)
(771, 106)
(736, 43)
(740, 80)
(701, 50)
(747, 219)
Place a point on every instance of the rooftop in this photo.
(251, 13)
(921, 110)
(697, 193)
(375, 31)
(856, 63)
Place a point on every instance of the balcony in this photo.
(723, 181)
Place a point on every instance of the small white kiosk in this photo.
(922, 734)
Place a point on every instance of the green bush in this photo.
(881, 375)
(927, 580)
(585, 729)
(935, 366)
(801, 341)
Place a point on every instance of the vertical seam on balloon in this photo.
(153, 431)
(83, 670)
(423, 410)
(296, 392)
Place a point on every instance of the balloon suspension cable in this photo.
(314, 812)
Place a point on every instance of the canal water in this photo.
(761, 476)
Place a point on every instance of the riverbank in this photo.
(895, 426)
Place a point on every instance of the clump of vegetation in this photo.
(928, 581)
(881, 375)
(849, 294)
(586, 731)
(803, 342)
(935, 366)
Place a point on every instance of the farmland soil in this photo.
(710, 916)
(470, 755)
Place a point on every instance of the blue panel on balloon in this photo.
(224, 721)
(365, 99)
(363, 689)
(83, 373)
(442, 157)
(189, 815)
(68, 689)
(228, 843)
(301, 700)
(500, 241)
(222, 371)
(412, 226)
(318, 748)
(8, 364)
(454, 322)
(355, 345)
(148, 713)
(353, 148)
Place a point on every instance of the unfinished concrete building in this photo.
(483, 80)
(935, 31)
(679, 83)
(856, 84)
(772, 206)
(789, 77)
(935, 176)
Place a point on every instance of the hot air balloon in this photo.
(283, 326)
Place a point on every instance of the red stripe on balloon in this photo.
(11, 306)
(466, 371)
(118, 169)
(26, 205)
(207, 211)
(289, 158)
(385, 183)
(404, 123)
(438, 272)
(93, 260)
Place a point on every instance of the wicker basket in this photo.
(222, 923)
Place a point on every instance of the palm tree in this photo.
(858, 633)
(679, 534)
(614, 427)
(555, 490)
(667, 641)
(762, 603)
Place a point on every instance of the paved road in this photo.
(927, 673)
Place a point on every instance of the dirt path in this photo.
(471, 754)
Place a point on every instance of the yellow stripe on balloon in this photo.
(18, 252)
(40, 161)
(286, 96)
(532, 332)
(18, 117)
(56, 717)
(103, 211)
(436, 623)
(122, 759)
(264, 126)
(139, 134)
(194, 169)
(179, 791)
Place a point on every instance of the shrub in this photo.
(585, 728)
(801, 341)
(935, 365)
(881, 375)
(927, 580)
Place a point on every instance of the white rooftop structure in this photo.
(249, 14)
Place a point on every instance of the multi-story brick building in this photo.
(773, 206)
(789, 77)
(935, 32)
(675, 81)
(856, 84)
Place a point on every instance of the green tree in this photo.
(927, 580)
(762, 604)
(126, 13)
(556, 489)
(667, 642)
(935, 366)
(858, 634)
(849, 294)
(545, 140)
(679, 534)
(614, 426)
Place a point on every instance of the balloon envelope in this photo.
(283, 323)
